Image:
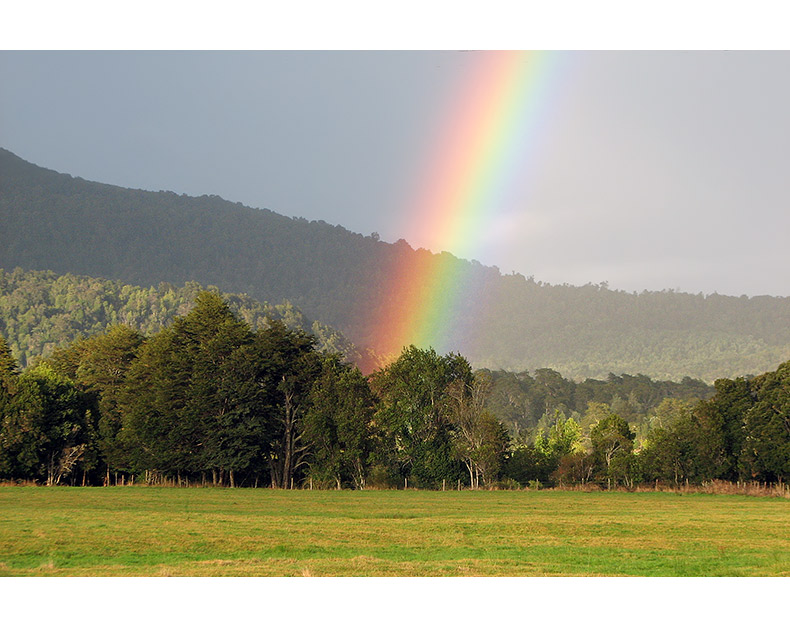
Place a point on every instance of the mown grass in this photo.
(147, 531)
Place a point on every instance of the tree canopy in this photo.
(209, 399)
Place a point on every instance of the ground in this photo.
(154, 531)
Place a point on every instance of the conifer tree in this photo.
(8, 367)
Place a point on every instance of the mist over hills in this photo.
(53, 221)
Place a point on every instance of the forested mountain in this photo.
(41, 311)
(51, 221)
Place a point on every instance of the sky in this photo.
(644, 170)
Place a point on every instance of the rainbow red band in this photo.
(481, 154)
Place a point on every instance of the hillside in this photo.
(40, 311)
(55, 222)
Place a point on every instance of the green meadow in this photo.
(153, 531)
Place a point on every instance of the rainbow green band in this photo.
(481, 154)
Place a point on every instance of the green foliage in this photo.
(612, 441)
(46, 427)
(41, 312)
(741, 433)
(766, 426)
(98, 365)
(673, 453)
(527, 404)
(338, 425)
(412, 394)
(8, 386)
(210, 394)
(55, 222)
(187, 406)
(8, 366)
(291, 367)
(152, 399)
(479, 439)
(669, 412)
(525, 464)
(539, 460)
(564, 438)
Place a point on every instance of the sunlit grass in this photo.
(147, 531)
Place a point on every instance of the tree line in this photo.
(209, 399)
(527, 402)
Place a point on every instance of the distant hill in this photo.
(40, 311)
(52, 221)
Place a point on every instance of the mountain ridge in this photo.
(57, 222)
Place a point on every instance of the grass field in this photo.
(147, 531)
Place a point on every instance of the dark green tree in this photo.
(9, 377)
(727, 410)
(691, 448)
(99, 366)
(207, 339)
(180, 414)
(9, 370)
(525, 464)
(338, 424)
(291, 364)
(46, 427)
(412, 394)
(151, 404)
(766, 447)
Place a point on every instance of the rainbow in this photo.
(482, 152)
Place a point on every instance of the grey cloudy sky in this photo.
(655, 170)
